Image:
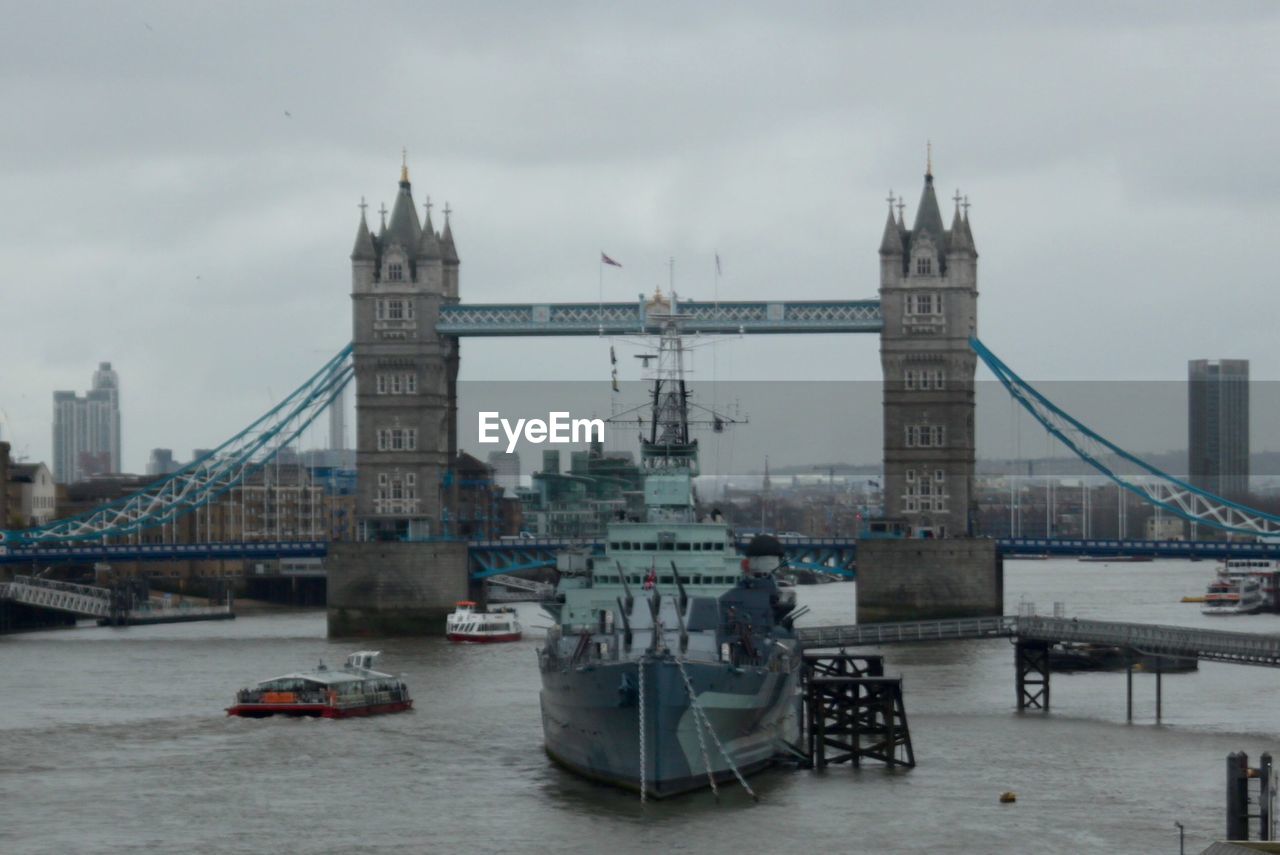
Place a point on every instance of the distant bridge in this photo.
(63, 554)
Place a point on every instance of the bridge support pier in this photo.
(1031, 660)
(928, 579)
(394, 588)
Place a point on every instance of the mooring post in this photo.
(1128, 671)
(1159, 675)
(1266, 799)
(1031, 664)
(1237, 796)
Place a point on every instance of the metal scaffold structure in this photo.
(206, 479)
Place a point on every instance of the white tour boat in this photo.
(1233, 595)
(468, 623)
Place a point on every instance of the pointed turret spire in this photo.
(928, 217)
(447, 250)
(956, 238)
(429, 246)
(404, 228)
(363, 249)
(968, 231)
(959, 237)
(891, 243)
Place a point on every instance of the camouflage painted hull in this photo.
(592, 724)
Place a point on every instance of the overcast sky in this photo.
(181, 180)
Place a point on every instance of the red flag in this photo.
(651, 579)
(604, 259)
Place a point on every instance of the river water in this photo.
(115, 739)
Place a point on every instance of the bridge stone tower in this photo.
(929, 301)
(406, 374)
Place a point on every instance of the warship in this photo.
(671, 664)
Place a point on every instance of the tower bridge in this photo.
(409, 319)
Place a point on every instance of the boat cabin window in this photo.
(682, 547)
(616, 546)
(651, 547)
(665, 580)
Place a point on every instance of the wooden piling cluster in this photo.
(853, 712)
(1243, 798)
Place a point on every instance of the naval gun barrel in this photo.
(626, 623)
(684, 633)
(684, 597)
(626, 589)
(655, 605)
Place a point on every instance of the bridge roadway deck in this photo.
(1243, 648)
(836, 555)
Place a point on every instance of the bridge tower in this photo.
(929, 301)
(405, 372)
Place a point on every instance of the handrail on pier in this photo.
(1216, 645)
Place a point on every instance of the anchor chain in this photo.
(698, 712)
(697, 726)
(640, 669)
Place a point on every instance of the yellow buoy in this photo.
(1008, 797)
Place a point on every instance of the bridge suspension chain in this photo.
(1155, 486)
(207, 478)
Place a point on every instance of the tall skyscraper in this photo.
(929, 299)
(86, 430)
(506, 470)
(338, 422)
(1218, 426)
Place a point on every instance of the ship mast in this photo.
(668, 444)
(665, 441)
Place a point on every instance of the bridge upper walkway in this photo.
(1244, 648)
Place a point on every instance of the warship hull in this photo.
(591, 719)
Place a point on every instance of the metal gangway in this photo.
(520, 589)
(106, 604)
(84, 600)
(1245, 648)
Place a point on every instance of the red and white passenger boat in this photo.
(355, 689)
(467, 623)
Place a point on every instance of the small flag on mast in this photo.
(604, 259)
(719, 272)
